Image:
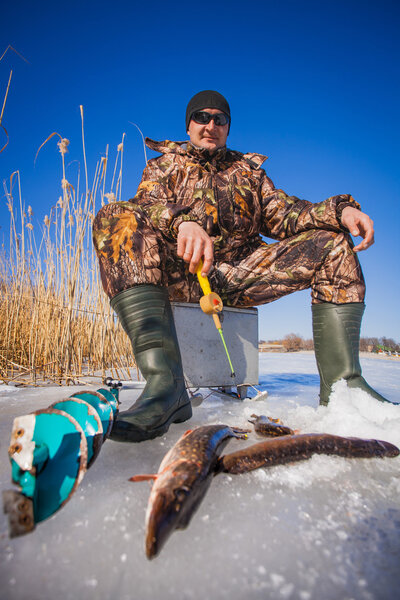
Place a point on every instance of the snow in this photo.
(324, 528)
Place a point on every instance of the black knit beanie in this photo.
(207, 99)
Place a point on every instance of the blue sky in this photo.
(313, 85)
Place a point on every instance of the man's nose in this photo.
(211, 125)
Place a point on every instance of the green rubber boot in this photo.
(145, 314)
(336, 329)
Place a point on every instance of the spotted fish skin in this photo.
(266, 426)
(182, 481)
(293, 448)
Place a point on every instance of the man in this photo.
(199, 199)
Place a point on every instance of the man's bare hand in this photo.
(358, 223)
(193, 244)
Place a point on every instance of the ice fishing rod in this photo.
(211, 304)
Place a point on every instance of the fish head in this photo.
(171, 506)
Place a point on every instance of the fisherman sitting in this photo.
(201, 200)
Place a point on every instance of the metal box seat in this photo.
(203, 356)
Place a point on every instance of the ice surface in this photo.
(327, 528)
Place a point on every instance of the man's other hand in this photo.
(193, 244)
(358, 223)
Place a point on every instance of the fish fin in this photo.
(143, 477)
(187, 432)
(278, 421)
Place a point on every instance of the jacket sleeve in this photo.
(284, 216)
(156, 196)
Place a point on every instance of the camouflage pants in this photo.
(132, 252)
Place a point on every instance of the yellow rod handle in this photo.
(204, 283)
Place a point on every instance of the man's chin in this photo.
(210, 146)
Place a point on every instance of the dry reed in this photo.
(56, 324)
(11, 49)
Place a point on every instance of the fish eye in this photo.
(181, 494)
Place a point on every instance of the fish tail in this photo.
(239, 433)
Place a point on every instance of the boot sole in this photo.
(135, 434)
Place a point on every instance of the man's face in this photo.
(210, 136)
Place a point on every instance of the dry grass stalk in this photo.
(9, 47)
(55, 320)
(2, 113)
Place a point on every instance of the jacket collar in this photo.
(202, 155)
(186, 147)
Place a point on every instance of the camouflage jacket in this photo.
(229, 195)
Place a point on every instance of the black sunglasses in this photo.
(203, 118)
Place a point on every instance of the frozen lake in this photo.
(327, 528)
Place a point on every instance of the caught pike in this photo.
(270, 427)
(182, 481)
(301, 447)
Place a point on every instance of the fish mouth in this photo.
(152, 548)
(162, 520)
(153, 525)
